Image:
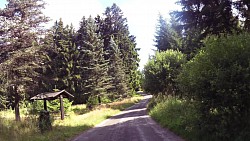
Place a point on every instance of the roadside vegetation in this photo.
(78, 119)
(205, 98)
(211, 101)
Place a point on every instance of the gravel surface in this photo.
(133, 124)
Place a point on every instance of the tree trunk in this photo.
(99, 100)
(17, 112)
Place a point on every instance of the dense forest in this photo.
(97, 62)
(200, 73)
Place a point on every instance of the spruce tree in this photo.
(61, 59)
(166, 37)
(115, 25)
(20, 33)
(118, 79)
(93, 65)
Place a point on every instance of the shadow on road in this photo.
(133, 124)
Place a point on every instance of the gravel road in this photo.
(133, 124)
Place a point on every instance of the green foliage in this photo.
(52, 105)
(60, 56)
(85, 63)
(114, 26)
(44, 121)
(166, 36)
(218, 79)
(20, 29)
(90, 44)
(116, 70)
(209, 17)
(177, 115)
(155, 100)
(161, 71)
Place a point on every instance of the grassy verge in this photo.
(177, 115)
(77, 120)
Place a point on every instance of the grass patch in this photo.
(177, 115)
(78, 119)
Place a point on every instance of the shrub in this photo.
(218, 79)
(155, 100)
(53, 106)
(178, 115)
(160, 72)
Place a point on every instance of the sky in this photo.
(142, 17)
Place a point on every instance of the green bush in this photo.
(218, 80)
(179, 116)
(155, 100)
(52, 105)
(160, 72)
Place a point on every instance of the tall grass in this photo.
(77, 120)
(177, 115)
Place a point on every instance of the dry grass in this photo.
(77, 120)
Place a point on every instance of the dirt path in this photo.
(132, 124)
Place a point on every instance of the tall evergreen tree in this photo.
(115, 25)
(60, 60)
(210, 17)
(118, 79)
(20, 32)
(166, 37)
(93, 64)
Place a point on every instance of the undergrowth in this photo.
(77, 120)
(177, 115)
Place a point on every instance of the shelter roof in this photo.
(51, 95)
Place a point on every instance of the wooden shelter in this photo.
(52, 96)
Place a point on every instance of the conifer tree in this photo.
(93, 65)
(20, 32)
(118, 79)
(166, 37)
(115, 25)
(61, 61)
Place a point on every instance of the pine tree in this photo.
(61, 59)
(115, 25)
(118, 79)
(94, 67)
(20, 32)
(209, 17)
(166, 37)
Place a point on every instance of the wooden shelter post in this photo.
(45, 105)
(61, 107)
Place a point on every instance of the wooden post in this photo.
(61, 107)
(17, 112)
(45, 105)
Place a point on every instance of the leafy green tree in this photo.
(20, 32)
(217, 81)
(161, 71)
